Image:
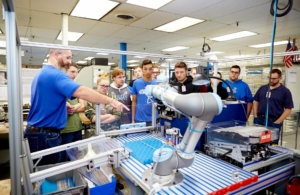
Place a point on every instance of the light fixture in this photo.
(139, 56)
(237, 56)
(2, 43)
(169, 59)
(45, 60)
(111, 63)
(24, 38)
(132, 65)
(210, 53)
(269, 44)
(132, 61)
(153, 4)
(103, 54)
(89, 58)
(1, 31)
(177, 48)
(93, 9)
(72, 36)
(81, 62)
(201, 79)
(231, 36)
(179, 24)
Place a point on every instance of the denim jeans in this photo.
(68, 138)
(44, 140)
(261, 121)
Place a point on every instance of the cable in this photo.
(287, 8)
(205, 45)
(244, 112)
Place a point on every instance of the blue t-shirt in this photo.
(241, 90)
(143, 111)
(280, 99)
(49, 92)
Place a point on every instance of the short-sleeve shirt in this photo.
(143, 111)
(49, 91)
(280, 98)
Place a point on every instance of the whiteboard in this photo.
(292, 82)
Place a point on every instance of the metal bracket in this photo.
(91, 165)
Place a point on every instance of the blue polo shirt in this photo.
(50, 89)
(241, 90)
(280, 99)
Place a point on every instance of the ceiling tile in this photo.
(45, 20)
(85, 24)
(193, 5)
(225, 7)
(199, 28)
(149, 35)
(244, 15)
(127, 9)
(105, 29)
(53, 6)
(288, 32)
(23, 16)
(168, 38)
(128, 32)
(111, 41)
(22, 4)
(44, 33)
(88, 38)
(155, 19)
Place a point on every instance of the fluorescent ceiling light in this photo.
(110, 63)
(2, 44)
(210, 53)
(233, 36)
(138, 56)
(103, 54)
(192, 62)
(237, 56)
(45, 60)
(132, 61)
(169, 59)
(89, 58)
(132, 65)
(93, 9)
(47, 56)
(24, 38)
(72, 36)
(268, 44)
(177, 48)
(153, 4)
(179, 24)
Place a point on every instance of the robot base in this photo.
(168, 180)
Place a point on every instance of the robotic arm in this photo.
(200, 108)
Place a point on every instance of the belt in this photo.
(270, 116)
(41, 129)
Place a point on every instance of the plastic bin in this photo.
(79, 183)
(106, 189)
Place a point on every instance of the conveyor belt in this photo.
(205, 176)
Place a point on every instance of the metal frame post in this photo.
(154, 115)
(13, 61)
(123, 58)
(26, 150)
(25, 173)
(98, 120)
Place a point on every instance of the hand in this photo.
(118, 106)
(133, 121)
(70, 108)
(276, 122)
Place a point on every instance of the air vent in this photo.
(125, 16)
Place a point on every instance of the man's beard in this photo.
(63, 66)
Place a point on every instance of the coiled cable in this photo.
(287, 8)
(205, 45)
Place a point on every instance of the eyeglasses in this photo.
(121, 77)
(233, 72)
(104, 86)
(273, 78)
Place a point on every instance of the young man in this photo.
(156, 72)
(185, 81)
(280, 102)
(193, 72)
(142, 104)
(241, 90)
(119, 90)
(138, 73)
(72, 132)
(48, 113)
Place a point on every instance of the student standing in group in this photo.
(186, 86)
(241, 90)
(138, 73)
(141, 103)
(156, 72)
(119, 89)
(221, 91)
(280, 102)
(72, 132)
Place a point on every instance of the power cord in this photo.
(287, 8)
(244, 111)
(205, 45)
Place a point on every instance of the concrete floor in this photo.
(289, 141)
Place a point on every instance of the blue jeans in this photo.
(261, 121)
(68, 138)
(44, 140)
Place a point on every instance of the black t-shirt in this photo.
(187, 86)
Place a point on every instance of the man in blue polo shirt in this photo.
(280, 102)
(49, 112)
(241, 90)
(141, 103)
